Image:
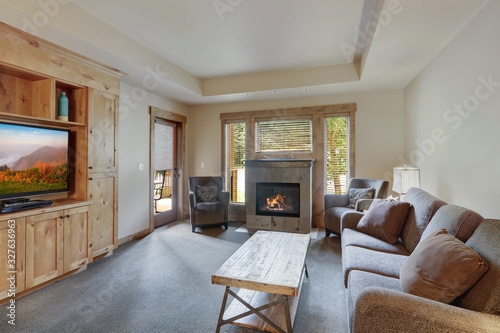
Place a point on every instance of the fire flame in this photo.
(277, 202)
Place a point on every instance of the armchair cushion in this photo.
(206, 193)
(356, 194)
(385, 219)
(441, 268)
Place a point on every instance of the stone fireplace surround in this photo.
(275, 171)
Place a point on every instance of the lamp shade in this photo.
(405, 178)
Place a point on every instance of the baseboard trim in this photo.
(137, 235)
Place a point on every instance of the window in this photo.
(337, 154)
(283, 135)
(235, 161)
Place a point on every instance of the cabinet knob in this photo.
(68, 215)
(61, 217)
(91, 178)
(91, 167)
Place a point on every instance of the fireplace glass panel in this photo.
(278, 199)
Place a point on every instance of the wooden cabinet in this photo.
(102, 131)
(57, 240)
(103, 184)
(103, 214)
(56, 243)
(50, 242)
(44, 248)
(12, 258)
(76, 238)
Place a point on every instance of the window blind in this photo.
(283, 135)
(337, 153)
(164, 143)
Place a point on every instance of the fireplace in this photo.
(292, 179)
(278, 199)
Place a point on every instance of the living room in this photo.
(425, 87)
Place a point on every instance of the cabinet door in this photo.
(44, 247)
(76, 245)
(12, 259)
(103, 131)
(103, 213)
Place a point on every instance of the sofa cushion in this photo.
(458, 221)
(356, 194)
(484, 296)
(206, 193)
(358, 258)
(423, 207)
(441, 268)
(357, 238)
(384, 220)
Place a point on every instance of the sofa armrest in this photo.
(350, 220)
(385, 310)
(335, 200)
(363, 204)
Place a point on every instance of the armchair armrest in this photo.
(363, 204)
(335, 200)
(224, 197)
(192, 200)
(350, 220)
(385, 310)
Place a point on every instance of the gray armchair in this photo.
(336, 204)
(208, 203)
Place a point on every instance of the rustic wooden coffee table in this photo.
(269, 268)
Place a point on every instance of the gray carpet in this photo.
(162, 283)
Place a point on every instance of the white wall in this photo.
(459, 151)
(379, 130)
(133, 148)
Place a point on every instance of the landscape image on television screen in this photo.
(32, 160)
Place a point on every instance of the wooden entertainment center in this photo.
(80, 226)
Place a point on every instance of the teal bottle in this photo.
(63, 107)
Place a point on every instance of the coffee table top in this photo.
(269, 261)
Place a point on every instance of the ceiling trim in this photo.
(280, 79)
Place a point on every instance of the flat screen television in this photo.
(34, 160)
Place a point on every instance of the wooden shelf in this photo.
(56, 205)
(40, 121)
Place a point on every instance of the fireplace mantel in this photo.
(280, 163)
(285, 170)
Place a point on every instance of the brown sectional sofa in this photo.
(375, 302)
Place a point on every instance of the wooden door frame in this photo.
(181, 154)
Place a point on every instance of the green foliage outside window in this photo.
(336, 154)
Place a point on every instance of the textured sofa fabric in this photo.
(484, 296)
(375, 302)
(336, 204)
(423, 208)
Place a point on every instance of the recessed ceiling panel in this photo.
(215, 38)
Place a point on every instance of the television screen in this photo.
(33, 160)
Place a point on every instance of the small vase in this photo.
(63, 107)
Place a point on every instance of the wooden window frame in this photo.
(317, 114)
